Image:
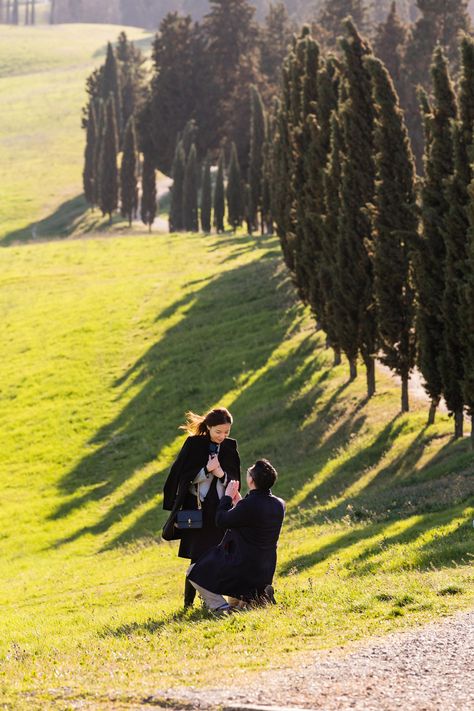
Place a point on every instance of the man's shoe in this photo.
(269, 595)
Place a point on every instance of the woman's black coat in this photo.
(244, 562)
(192, 458)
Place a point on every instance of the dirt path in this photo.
(427, 669)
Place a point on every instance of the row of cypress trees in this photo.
(10, 12)
(385, 260)
(247, 201)
(114, 101)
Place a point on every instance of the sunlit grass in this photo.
(106, 342)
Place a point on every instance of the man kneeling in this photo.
(243, 564)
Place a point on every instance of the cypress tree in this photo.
(395, 226)
(100, 113)
(177, 189)
(108, 173)
(148, 202)
(128, 173)
(439, 22)
(331, 260)
(304, 63)
(190, 192)
(468, 316)
(268, 175)
(257, 140)
(334, 12)
(357, 308)
(431, 252)
(453, 360)
(110, 84)
(234, 191)
(33, 13)
(206, 198)
(15, 15)
(275, 37)
(89, 174)
(219, 196)
(389, 42)
(27, 12)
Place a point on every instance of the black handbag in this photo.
(191, 518)
(180, 520)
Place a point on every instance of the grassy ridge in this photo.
(106, 342)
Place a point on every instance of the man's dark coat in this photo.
(192, 458)
(244, 562)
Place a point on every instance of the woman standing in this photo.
(208, 460)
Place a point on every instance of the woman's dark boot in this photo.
(189, 594)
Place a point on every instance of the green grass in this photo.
(106, 341)
(107, 338)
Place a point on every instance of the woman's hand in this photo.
(214, 467)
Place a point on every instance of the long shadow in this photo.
(193, 366)
(61, 223)
(453, 549)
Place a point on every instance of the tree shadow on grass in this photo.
(60, 224)
(229, 328)
(443, 551)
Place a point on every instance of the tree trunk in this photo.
(352, 369)
(432, 411)
(337, 357)
(405, 400)
(370, 366)
(458, 423)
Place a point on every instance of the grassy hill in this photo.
(106, 341)
(42, 90)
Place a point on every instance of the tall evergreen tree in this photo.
(132, 77)
(275, 37)
(268, 175)
(177, 189)
(468, 317)
(15, 14)
(257, 140)
(234, 191)
(430, 261)
(128, 173)
(206, 197)
(331, 261)
(33, 13)
(334, 12)
(27, 12)
(110, 84)
(357, 309)
(89, 172)
(231, 39)
(174, 87)
(148, 201)
(219, 196)
(108, 173)
(439, 21)
(453, 361)
(389, 42)
(100, 109)
(190, 192)
(395, 225)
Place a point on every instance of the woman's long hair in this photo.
(198, 424)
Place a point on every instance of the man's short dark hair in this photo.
(263, 473)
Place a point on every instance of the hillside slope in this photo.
(106, 341)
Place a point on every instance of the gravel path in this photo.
(429, 669)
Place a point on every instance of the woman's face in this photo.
(218, 433)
